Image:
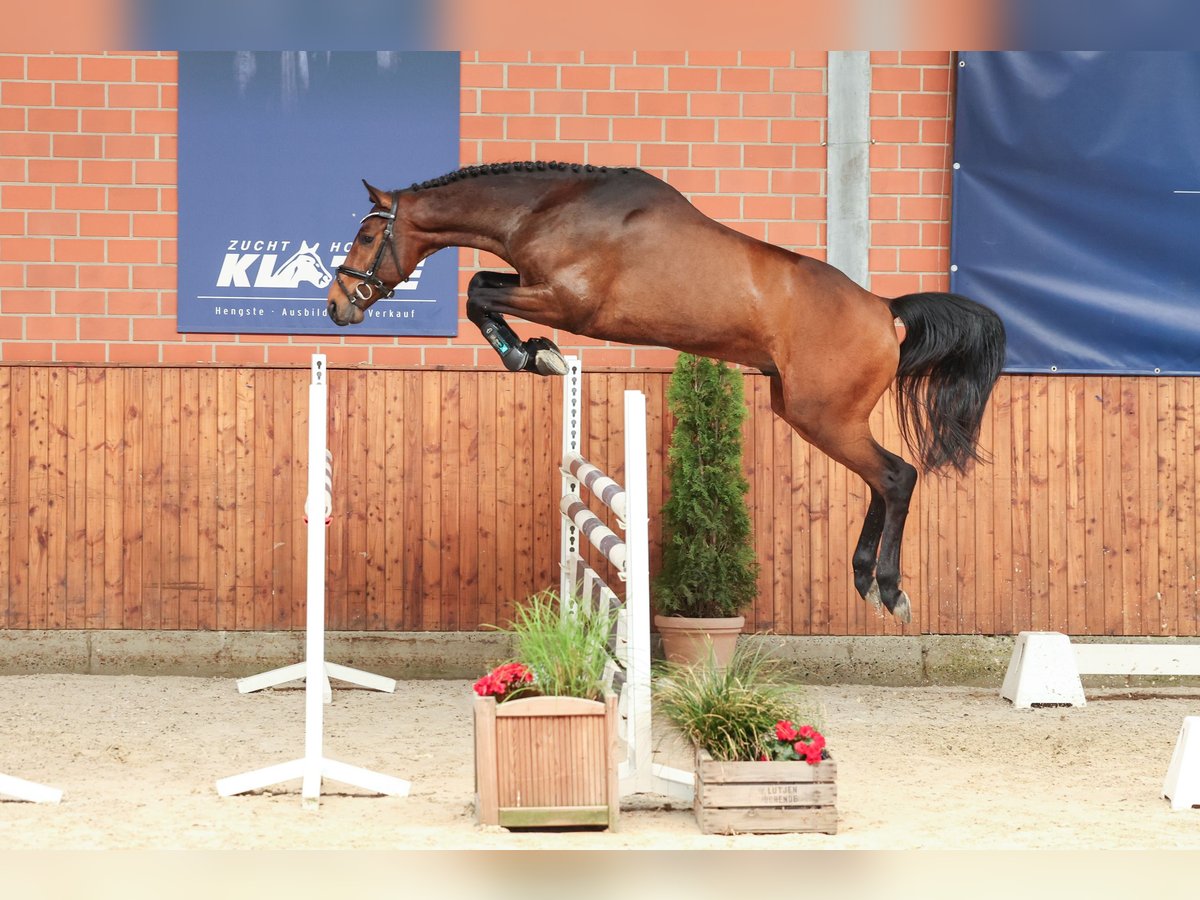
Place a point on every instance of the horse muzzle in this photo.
(347, 314)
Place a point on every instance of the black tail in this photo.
(951, 356)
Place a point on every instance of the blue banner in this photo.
(273, 147)
(1077, 206)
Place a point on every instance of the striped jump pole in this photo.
(603, 538)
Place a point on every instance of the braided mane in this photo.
(501, 168)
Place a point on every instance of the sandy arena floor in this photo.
(944, 768)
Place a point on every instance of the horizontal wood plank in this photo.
(553, 816)
(768, 794)
(549, 706)
(767, 821)
(722, 772)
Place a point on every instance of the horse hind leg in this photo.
(876, 560)
(485, 292)
(877, 556)
(867, 551)
(899, 480)
(876, 578)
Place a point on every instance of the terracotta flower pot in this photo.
(690, 641)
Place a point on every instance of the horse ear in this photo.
(375, 193)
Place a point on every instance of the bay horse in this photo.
(617, 254)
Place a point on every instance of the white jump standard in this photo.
(631, 558)
(332, 670)
(28, 790)
(313, 766)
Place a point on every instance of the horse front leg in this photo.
(489, 294)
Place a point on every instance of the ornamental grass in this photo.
(732, 712)
(564, 646)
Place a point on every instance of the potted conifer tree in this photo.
(709, 571)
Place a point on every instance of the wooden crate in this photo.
(765, 797)
(546, 762)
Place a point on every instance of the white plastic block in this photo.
(1042, 670)
(1182, 786)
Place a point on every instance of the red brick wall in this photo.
(87, 183)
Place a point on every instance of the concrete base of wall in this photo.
(969, 660)
(236, 654)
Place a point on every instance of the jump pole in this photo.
(638, 773)
(314, 766)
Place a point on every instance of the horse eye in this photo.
(367, 240)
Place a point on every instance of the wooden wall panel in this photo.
(164, 498)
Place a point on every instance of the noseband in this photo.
(369, 278)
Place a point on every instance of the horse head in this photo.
(374, 266)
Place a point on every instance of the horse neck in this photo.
(483, 212)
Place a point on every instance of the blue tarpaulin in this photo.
(1077, 206)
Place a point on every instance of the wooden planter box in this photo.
(765, 797)
(546, 762)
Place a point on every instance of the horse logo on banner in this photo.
(304, 265)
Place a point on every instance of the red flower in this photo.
(488, 685)
(499, 680)
(803, 743)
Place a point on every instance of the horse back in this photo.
(632, 260)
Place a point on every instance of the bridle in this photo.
(369, 279)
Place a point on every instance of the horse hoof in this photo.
(873, 595)
(550, 362)
(903, 609)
